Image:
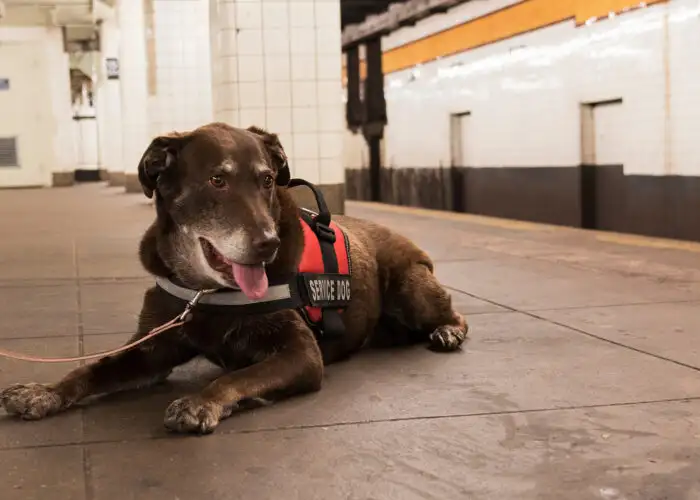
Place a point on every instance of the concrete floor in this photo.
(581, 379)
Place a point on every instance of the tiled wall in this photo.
(108, 102)
(133, 87)
(277, 64)
(524, 93)
(60, 102)
(183, 98)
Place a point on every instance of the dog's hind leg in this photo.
(421, 304)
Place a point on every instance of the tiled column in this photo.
(64, 164)
(182, 66)
(277, 64)
(109, 113)
(134, 90)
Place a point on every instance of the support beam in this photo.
(396, 16)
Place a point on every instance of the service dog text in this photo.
(329, 290)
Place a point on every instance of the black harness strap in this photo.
(332, 325)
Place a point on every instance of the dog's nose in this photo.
(266, 245)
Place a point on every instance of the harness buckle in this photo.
(324, 232)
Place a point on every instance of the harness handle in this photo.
(324, 215)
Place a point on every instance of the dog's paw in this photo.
(448, 337)
(193, 415)
(30, 401)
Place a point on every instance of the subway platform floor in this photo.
(581, 379)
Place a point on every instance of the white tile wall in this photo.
(684, 39)
(249, 42)
(277, 68)
(355, 154)
(303, 67)
(276, 14)
(251, 95)
(109, 111)
(136, 130)
(59, 82)
(609, 133)
(524, 94)
(285, 75)
(249, 15)
(302, 14)
(280, 120)
(278, 94)
(250, 69)
(183, 99)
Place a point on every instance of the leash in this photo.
(177, 321)
(287, 295)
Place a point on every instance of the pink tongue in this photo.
(251, 279)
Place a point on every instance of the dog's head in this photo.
(217, 200)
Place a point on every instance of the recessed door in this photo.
(460, 160)
(602, 153)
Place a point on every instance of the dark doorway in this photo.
(460, 159)
(375, 168)
(601, 167)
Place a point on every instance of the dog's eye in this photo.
(268, 182)
(217, 181)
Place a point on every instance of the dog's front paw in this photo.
(194, 415)
(30, 401)
(448, 337)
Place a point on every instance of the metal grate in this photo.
(8, 152)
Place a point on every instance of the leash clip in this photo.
(187, 312)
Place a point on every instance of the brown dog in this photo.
(223, 220)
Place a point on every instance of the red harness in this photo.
(312, 262)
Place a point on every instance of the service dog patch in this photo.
(327, 290)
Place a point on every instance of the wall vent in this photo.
(8, 152)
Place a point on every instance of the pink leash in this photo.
(179, 320)
(173, 323)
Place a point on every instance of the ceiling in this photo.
(81, 13)
(355, 11)
(352, 11)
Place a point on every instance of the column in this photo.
(183, 66)
(277, 64)
(108, 103)
(64, 160)
(134, 89)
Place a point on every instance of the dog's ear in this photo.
(160, 155)
(276, 151)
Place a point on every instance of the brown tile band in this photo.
(588, 196)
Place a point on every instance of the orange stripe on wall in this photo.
(500, 25)
(523, 17)
(585, 9)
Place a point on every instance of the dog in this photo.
(225, 220)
